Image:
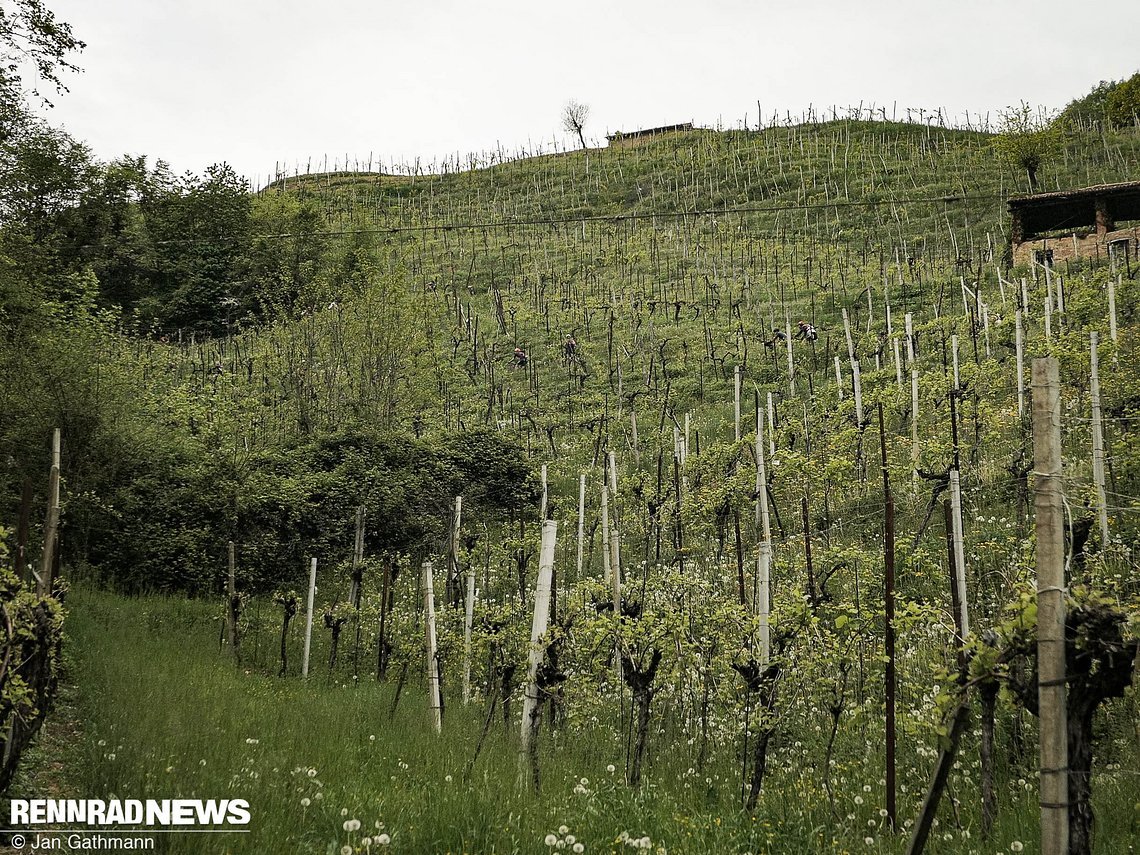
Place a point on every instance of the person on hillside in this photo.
(778, 337)
(806, 332)
(520, 357)
(570, 347)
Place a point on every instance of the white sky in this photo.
(255, 82)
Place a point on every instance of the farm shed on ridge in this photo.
(1088, 222)
(625, 138)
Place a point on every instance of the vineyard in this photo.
(676, 497)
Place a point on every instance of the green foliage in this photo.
(1028, 139)
(29, 661)
(1122, 104)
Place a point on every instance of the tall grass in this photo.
(168, 716)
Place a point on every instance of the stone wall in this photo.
(1077, 246)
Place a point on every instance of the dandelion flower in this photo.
(858, 800)
(611, 768)
(1016, 846)
(383, 839)
(579, 848)
(346, 850)
(870, 841)
(305, 802)
(562, 829)
(550, 839)
(312, 773)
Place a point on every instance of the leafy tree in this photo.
(1027, 139)
(29, 32)
(1091, 107)
(1122, 104)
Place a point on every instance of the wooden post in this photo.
(581, 519)
(1049, 525)
(838, 378)
(1112, 306)
(633, 433)
(435, 707)
(607, 569)
(1098, 443)
(909, 319)
(898, 364)
(45, 580)
(615, 534)
(914, 447)
(889, 620)
(1048, 319)
(954, 355)
(539, 621)
(357, 559)
(736, 402)
(959, 548)
(231, 596)
(771, 425)
(986, 329)
(542, 506)
(857, 385)
(309, 617)
(791, 363)
(468, 623)
(763, 596)
(850, 340)
(1019, 344)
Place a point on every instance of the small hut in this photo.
(1089, 222)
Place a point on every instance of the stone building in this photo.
(629, 138)
(1089, 222)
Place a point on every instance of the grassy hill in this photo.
(672, 265)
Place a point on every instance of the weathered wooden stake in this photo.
(959, 548)
(309, 617)
(1098, 443)
(1049, 525)
(45, 579)
(1112, 286)
(531, 702)
(736, 402)
(763, 594)
(1019, 345)
(435, 706)
(889, 621)
(581, 519)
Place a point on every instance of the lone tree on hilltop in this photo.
(574, 116)
(1028, 139)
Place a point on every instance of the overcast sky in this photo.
(259, 82)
